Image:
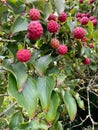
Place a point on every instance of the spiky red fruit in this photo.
(83, 15)
(62, 17)
(62, 49)
(52, 17)
(84, 20)
(34, 14)
(23, 55)
(91, 45)
(78, 15)
(54, 43)
(86, 61)
(80, 1)
(52, 26)
(79, 33)
(35, 30)
(94, 22)
(88, 14)
(91, 1)
(92, 18)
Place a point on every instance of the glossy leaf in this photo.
(2, 10)
(1, 100)
(58, 126)
(60, 5)
(79, 101)
(71, 105)
(95, 35)
(27, 98)
(18, 6)
(21, 75)
(42, 64)
(16, 119)
(45, 86)
(20, 24)
(36, 125)
(19, 72)
(13, 49)
(47, 9)
(54, 103)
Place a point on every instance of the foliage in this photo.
(50, 91)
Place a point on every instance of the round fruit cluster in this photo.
(35, 31)
(84, 18)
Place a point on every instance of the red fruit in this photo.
(94, 22)
(79, 19)
(86, 61)
(62, 49)
(54, 43)
(52, 26)
(84, 20)
(62, 17)
(35, 30)
(80, 1)
(92, 18)
(88, 14)
(23, 55)
(34, 14)
(79, 33)
(84, 39)
(91, 45)
(78, 15)
(83, 15)
(91, 1)
(52, 17)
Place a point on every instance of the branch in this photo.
(6, 40)
(2, 114)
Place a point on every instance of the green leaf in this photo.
(47, 9)
(24, 126)
(90, 29)
(20, 24)
(90, 26)
(19, 72)
(36, 125)
(60, 5)
(13, 48)
(60, 78)
(71, 105)
(45, 86)
(71, 25)
(2, 9)
(95, 35)
(18, 6)
(54, 103)
(1, 100)
(58, 126)
(21, 75)
(79, 101)
(15, 120)
(42, 64)
(27, 98)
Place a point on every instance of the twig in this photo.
(6, 40)
(2, 114)
(81, 122)
(90, 101)
(1, 95)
